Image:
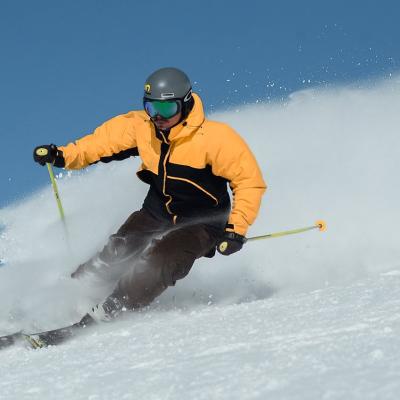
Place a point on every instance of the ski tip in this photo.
(321, 225)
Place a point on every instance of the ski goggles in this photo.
(164, 108)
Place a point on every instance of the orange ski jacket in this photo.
(188, 170)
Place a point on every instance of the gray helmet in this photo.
(168, 84)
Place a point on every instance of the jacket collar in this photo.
(193, 121)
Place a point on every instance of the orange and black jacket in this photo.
(188, 170)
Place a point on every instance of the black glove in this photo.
(48, 153)
(230, 243)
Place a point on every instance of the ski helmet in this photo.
(168, 84)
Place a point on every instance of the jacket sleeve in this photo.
(234, 161)
(115, 139)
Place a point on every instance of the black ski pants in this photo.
(148, 254)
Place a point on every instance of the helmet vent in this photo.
(167, 95)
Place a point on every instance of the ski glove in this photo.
(230, 243)
(48, 153)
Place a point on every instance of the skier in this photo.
(187, 160)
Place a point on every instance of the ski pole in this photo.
(43, 152)
(321, 225)
(56, 193)
(59, 204)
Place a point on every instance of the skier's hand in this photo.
(48, 153)
(230, 243)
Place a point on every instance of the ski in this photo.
(47, 338)
(10, 340)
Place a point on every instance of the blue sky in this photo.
(66, 66)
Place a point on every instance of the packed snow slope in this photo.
(315, 315)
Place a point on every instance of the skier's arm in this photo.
(234, 161)
(113, 140)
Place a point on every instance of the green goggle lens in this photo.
(165, 109)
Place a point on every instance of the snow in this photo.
(337, 342)
(311, 316)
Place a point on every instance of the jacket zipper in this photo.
(174, 217)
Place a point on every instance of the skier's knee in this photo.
(115, 249)
(78, 272)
